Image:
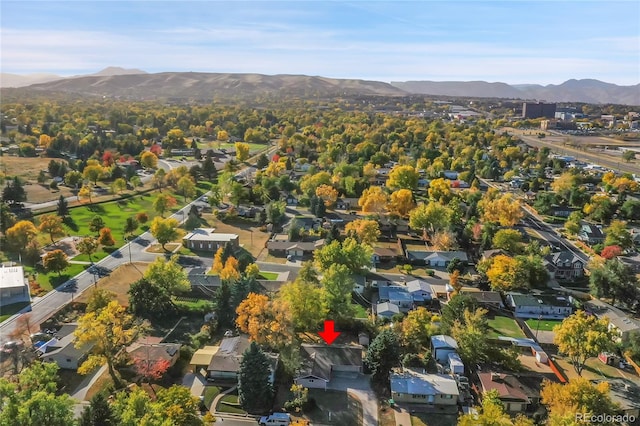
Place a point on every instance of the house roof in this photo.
(394, 293)
(520, 299)
(414, 383)
(592, 231)
(487, 254)
(384, 252)
(562, 257)
(293, 245)
(64, 344)
(12, 277)
(208, 234)
(616, 317)
(203, 356)
(436, 255)
(485, 296)
(418, 285)
(387, 309)
(155, 352)
(507, 386)
(318, 360)
(229, 354)
(442, 341)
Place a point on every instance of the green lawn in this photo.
(194, 305)
(51, 280)
(9, 310)
(504, 326)
(544, 324)
(210, 392)
(253, 147)
(268, 276)
(229, 404)
(114, 214)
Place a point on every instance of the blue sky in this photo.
(510, 41)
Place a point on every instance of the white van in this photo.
(276, 419)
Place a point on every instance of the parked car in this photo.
(276, 419)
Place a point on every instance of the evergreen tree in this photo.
(227, 252)
(262, 162)
(98, 413)
(14, 193)
(383, 355)
(241, 290)
(63, 207)
(224, 311)
(255, 393)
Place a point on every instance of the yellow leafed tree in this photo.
(367, 230)
(505, 210)
(230, 270)
(242, 151)
(266, 322)
(401, 202)
(373, 200)
(107, 331)
(578, 396)
(328, 194)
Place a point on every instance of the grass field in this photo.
(360, 311)
(504, 326)
(51, 280)
(268, 276)
(230, 147)
(229, 404)
(252, 238)
(210, 393)
(114, 214)
(544, 324)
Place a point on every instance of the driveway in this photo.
(361, 389)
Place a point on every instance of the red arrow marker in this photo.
(329, 334)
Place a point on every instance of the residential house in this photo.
(561, 211)
(412, 387)
(387, 310)
(202, 358)
(515, 395)
(290, 199)
(398, 296)
(489, 254)
(619, 322)
(450, 174)
(383, 255)
(208, 240)
(294, 248)
(225, 363)
(539, 306)
(486, 298)
(155, 352)
(420, 290)
(307, 223)
(392, 227)
(591, 234)
(347, 204)
(62, 350)
(442, 346)
(565, 265)
(321, 363)
(436, 259)
(14, 287)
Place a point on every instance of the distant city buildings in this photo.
(538, 110)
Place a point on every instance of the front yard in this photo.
(333, 407)
(504, 326)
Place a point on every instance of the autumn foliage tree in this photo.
(164, 202)
(266, 322)
(609, 252)
(582, 336)
(106, 238)
(366, 230)
(107, 331)
(328, 194)
(51, 224)
(164, 230)
(403, 177)
(578, 396)
(88, 246)
(373, 200)
(242, 151)
(20, 234)
(401, 202)
(505, 210)
(230, 270)
(151, 369)
(149, 160)
(55, 261)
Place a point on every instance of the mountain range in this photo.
(137, 84)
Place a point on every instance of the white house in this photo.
(320, 363)
(442, 346)
(62, 350)
(417, 388)
(208, 240)
(420, 290)
(14, 287)
(225, 362)
(387, 310)
(539, 306)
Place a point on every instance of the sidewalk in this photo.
(403, 418)
(80, 392)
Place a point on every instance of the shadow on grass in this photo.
(96, 208)
(57, 280)
(68, 220)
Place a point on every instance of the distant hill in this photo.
(109, 71)
(137, 84)
(16, 80)
(205, 86)
(587, 90)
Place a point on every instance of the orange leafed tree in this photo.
(266, 322)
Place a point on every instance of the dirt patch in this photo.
(27, 169)
(119, 282)
(252, 238)
(67, 245)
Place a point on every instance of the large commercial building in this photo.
(538, 109)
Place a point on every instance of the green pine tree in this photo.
(255, 392)
(383, 355)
